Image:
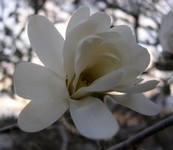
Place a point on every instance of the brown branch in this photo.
(144, 134)
(9, 128)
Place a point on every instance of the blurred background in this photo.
(145, 19)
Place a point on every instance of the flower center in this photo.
(84, 80)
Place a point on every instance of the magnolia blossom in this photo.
(166, 32)
(92, 60)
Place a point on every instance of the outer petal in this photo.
(48, 94)
(139, 88)
(93, 119)
(47, 42)
(38, 115)
(39, 83)
(78, 16)
(141, 59)
(138, 103)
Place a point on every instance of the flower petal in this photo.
(107, 82)
(88, 27)
(131, 49)
(131, 52)
(93, 119)
(91, 47)
(138, 103)
(143, 87)
(69, 52)
(85, 51)
(125, 32)
(84, 55)
(47, 91)
(102, 84)
(141, 63)
(38, 115)
(103, 20)
(47, 42)
(78, 16)
(38, 83)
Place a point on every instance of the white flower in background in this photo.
(92, 60)
(166, 32)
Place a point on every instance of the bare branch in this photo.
(144, 134)
(9, 128)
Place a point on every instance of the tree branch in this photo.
(9, 128)
(144, 134)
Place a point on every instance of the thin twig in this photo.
(9, 128)
(144, 134)
(65, 138)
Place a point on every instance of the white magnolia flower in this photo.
(166, 32)
(92, 60)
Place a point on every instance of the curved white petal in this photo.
(107, 82)
(69, 51)
(103, 20)
(85, 51)
(141, 58)
(131, 55)
(88, 27)
(130, 52)
(109, 37)
(125, 32)
(38, 83)
(38, 115)
(138, 103)
(104, 83)
(84, 55)
(78, 16)
(130, 49)
(92, 46)
(139, 88)
(47, 42)
(93, 119)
